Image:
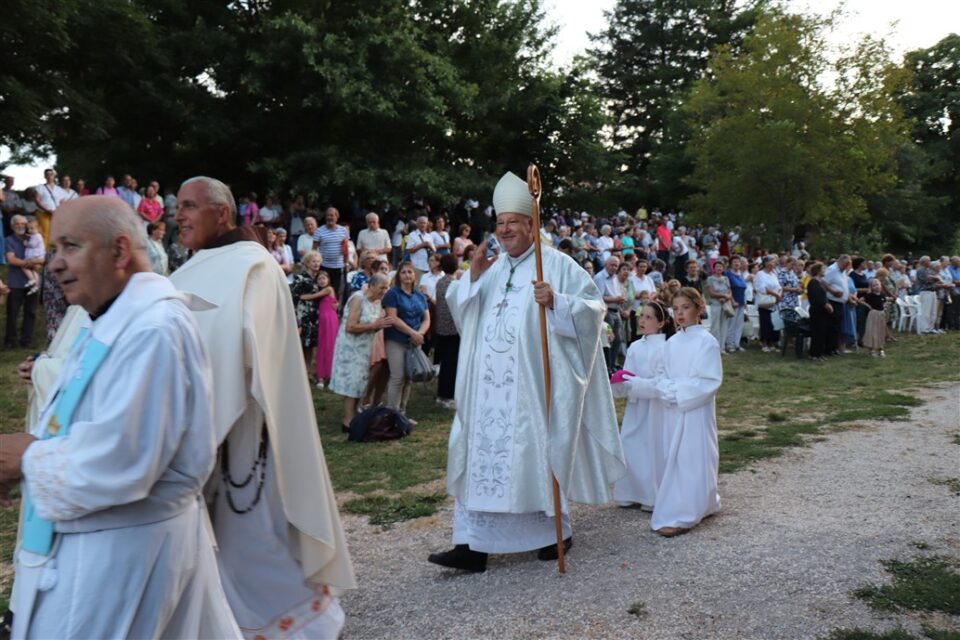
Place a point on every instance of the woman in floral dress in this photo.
(351, 358)
(306, 292)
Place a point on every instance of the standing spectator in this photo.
(82, 188)
(155, 251)
(738, 289)
(769, 293)
(128, 192)
(248, 210)
(835, 282)
(719, 294)
(407, 309)
(440, 236)
(362, 277)
(613, 296)
(399, 231)
(605, 243)
(177, 253)
(664, 240)
(270, 214)
(875, 335)
(624, 272)
(331, 240)
(861, 281)
(789, 284)
(952, 313)
(305, 239)
(281, 245)
(66, 187)
(641, 282)
(361, 323)
(305, 291)
(15, 247)
(53, 301)
(926, 282)
(149, 209)
(48, 197)
(446, 336)
(169, 211)
(692, 276)
(462, 241)
(821, 312)
(373, 238)
(420, 246)
(108, 188)
(275, 245)
(327, 323)
(681, 251)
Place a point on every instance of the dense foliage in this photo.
(736, 111)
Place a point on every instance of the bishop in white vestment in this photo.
(502, 449)
(113, 542)
(282, 551)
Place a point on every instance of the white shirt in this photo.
(368, 239)
(418, 257)
(609, 285)
(836, 279)
(428, 284)
(642, 284)
(304, 244)
(765, 283)
(50, 197)
(269, 214)
(398, 230)
(438, 238)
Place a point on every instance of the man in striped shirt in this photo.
(328, 240)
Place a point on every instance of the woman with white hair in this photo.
(351, 355)
(605, 242)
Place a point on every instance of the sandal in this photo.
(671, 532)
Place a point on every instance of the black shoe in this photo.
(461, 557)
(550, 552)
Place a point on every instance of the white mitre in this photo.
(511, 195)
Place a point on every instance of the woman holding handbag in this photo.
(768, 294)
(407, 307)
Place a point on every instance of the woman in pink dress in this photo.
(327, 326)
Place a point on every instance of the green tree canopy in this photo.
(784, 139)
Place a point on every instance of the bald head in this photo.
(98, 244)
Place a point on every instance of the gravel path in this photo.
(795, 536)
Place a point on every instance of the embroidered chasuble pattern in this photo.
(491, 452)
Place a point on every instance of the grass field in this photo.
(767, 404)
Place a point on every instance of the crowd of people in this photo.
(258, 308)
(751, 296)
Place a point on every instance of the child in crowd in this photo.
(33, 250)
(642, 433)
(875, 333)
(327, 326)
(693, 373)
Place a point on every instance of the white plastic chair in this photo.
(908, 316)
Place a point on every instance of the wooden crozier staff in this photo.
(533, 183)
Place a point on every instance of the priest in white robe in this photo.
(282, 552)
(502, 450)
(113, 542)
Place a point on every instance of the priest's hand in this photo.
(543, 293)
(25, 370)
(480, 263)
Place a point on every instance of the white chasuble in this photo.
(501, 448)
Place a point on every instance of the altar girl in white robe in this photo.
(688, 487)
(642, 432)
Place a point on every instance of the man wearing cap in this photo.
(502, 448)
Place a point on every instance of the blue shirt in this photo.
(738, 287)
(17, 279)
(410, 307)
